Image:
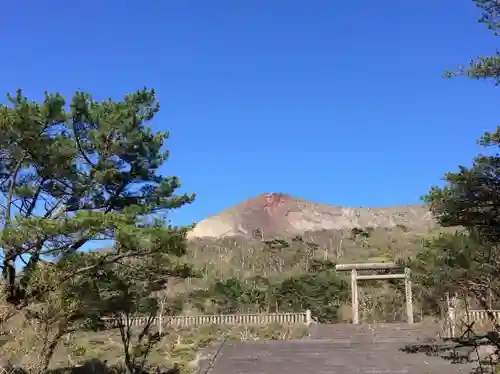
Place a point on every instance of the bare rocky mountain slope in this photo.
(277, 214)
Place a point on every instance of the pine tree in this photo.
(73, 175)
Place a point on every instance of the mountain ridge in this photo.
(280, 214)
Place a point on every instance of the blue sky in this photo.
(341, 102)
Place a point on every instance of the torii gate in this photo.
(377, 266)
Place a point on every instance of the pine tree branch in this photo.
(34, 200)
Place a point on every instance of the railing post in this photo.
(450, 311)
(354, 296)
(409, 296)
(308, 317)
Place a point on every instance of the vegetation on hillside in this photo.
(254, 276)
(320, 290)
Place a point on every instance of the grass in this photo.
(183, 347)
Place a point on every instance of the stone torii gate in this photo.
(377, 266)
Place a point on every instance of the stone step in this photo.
(327, 356)
(396, 332)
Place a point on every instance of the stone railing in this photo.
(478, 315)
(300, 318)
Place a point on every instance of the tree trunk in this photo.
(48, 351)
(129, 362)
(9, 275)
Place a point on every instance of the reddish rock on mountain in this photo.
(273, 214)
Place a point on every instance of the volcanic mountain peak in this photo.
(273, 214)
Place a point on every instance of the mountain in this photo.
(277, 214)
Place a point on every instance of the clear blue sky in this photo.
(341, 102)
